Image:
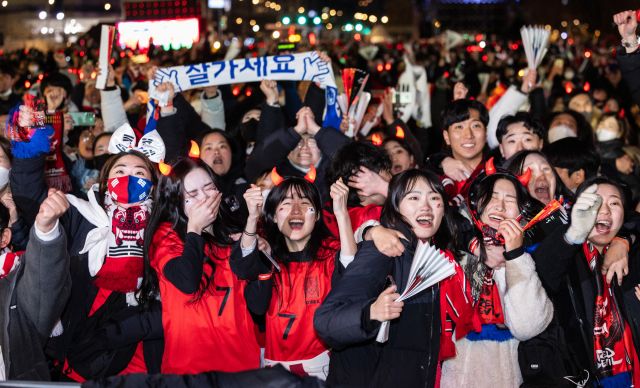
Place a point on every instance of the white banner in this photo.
(305, 66)
(106, 41)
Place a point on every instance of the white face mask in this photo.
(4, 177)
(606, 134)
(560, 132)
(265, 194)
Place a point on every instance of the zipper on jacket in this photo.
(581, 322)
(431, 334)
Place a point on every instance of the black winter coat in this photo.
(103, 344)
(571, 287)
(410, 357)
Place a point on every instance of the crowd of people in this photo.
(229, 238)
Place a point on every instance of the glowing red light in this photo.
(568, 88)
(446, 74)
(587, 86)
(27, 84)
(248, 92)
(485, 58)
(380, 67)
(387, 67)
(479, 37)
(514, 46)
(236, 91)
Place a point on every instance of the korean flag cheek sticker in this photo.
(311, 210)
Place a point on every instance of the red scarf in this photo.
(458, 191)
(456, 310)
(488, 308)
(7, 262)
(54, 170)
(612, 342)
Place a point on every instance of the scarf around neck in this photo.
(115, 245)
(612, 342)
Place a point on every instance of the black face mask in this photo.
(100, 160)
(248, 130)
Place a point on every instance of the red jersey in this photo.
(299, 289)
(216, 333)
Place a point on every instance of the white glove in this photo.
(583, 215)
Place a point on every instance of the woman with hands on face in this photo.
(205, 317)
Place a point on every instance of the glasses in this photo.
(309, 142)
(87, 138)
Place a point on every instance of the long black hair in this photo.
(400, 185)
(168, 206)
(481, 191)
(480, 194)
(303, 189)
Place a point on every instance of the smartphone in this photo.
(83, 119)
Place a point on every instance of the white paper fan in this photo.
(535, 41)
(429, 266)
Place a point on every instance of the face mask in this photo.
(560, 132)
(265, 194)
(100, 160)
(250, 148)
(4, 177)
(606, 134)
(248, 130)
(129, 189)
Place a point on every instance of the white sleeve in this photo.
(213, 111)
(247, 251)
(527, 308)
(345, 260)
(50, 235)
(113, 114)
(358, 235)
